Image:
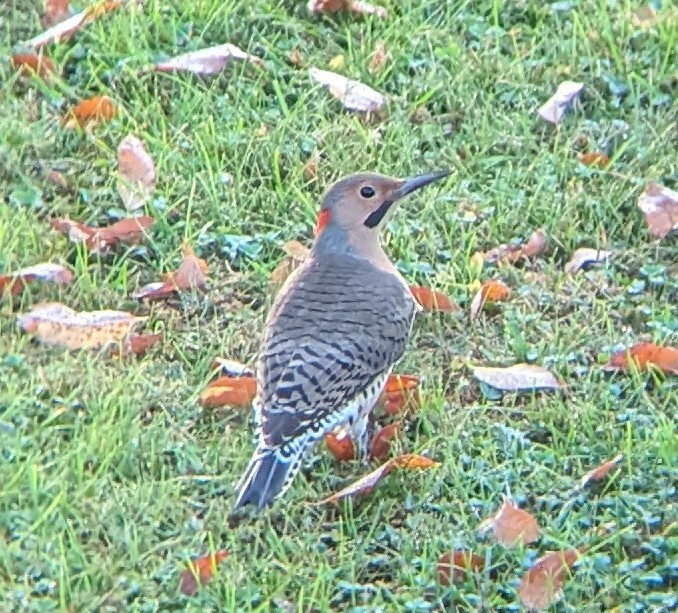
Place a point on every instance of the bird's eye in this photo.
(367, 191)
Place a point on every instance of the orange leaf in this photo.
(237, 392)
(138, 344)
(99, 240)
(490, 291)
(91, 110)
(379, 57)
(401, 394)
(47, 271)
(659, 204)
(191, 274)
(600, 472)
(595, 158)
(542, 584)
(431, 300)
(380, 446)
(512, 526)
(368, 482)
(643, 355)
(357, 7)
(56, 11)
(200, 572)
(455, 565)
(33, 63)
(341, 448)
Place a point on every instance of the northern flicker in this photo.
(333, 334)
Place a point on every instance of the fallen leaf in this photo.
(100, 240)
(47, 271)
(137, 172)
(595, 158)
(368, 482)
(379, 57)
(543, 583)
(56, 11)
(401, 394)
(136, 344)
(430, 300)
(554, 108)
(208, 61)
(512, 525)
(643, 355)
(296, 58)
(56, 324)
(200, 572)
(296, 254)
(90, 112)
(600, 472)
(584, 257)
(238, 392)
(33, 63)
(517, 378)
(341, 447)
(311, 166)
(380, 445)
(191, 274)
(355, 96)
(456, 565)
(355, 6)
(231, 368)
(644, 17)
(66, 28)
(660, 207)
(535, 245)
(59, 179)
(490, 291)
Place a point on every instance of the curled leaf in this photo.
(380, 445)
(535, 245)
(238, 392)
(137, 172)
(100, 240)
(543, 583)
(659, 204)
(556, 106)
(643, 356)
(512, 525)
(200, 572)
(456, 566)
(341, 447)
(355, 96)
(56, 324)
(208, 61)
(430, 300)
(401, 394)
(490, 291)
(47, 271)
(90, 112)
(600, 472)
(584, 257)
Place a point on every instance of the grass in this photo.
(112, 476)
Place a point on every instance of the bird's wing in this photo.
(338, 325)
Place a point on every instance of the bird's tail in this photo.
(269, 474)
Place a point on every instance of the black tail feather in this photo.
(266, 476)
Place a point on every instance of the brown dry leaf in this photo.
(191, 274)
(517, 378)
(660, 207)
(430, 300)
(597, 159)
(354, 95)
(100, 240)
(380, 445)
(379, 57)
(644, 17)
(401, 394)
(643, 355)
(585, 257)
(341, 447)
(456, 565)
(33, 63)
(238, 392)
(136, 344)
(535, 245)
(56, 11)
(543, 583)
(296, 254)
(296, 58)
(208, 61)
(368, 482)
(200, 572)
(357, 7)
(90, 112)
(554, 108)
(137, 172)
(47, 271)
(311, 166)
(490, 291)
(600, 472)
(56, 324)
(231, 368)
(66, 28)
(512, 525)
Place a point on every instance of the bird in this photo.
(335, 330)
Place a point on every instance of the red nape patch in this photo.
(322, 221)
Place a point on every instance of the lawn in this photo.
(112, 476)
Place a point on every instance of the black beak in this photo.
(414, 183)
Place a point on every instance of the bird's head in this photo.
(362, 203)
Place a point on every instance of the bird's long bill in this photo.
(413, 183)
